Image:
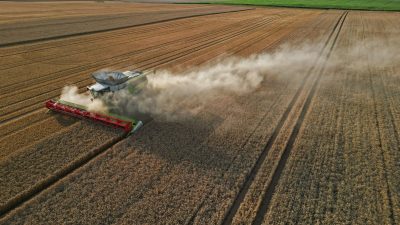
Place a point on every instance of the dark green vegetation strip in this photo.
(384, 5)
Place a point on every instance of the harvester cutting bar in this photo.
(77, 112)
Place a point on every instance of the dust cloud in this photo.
(375, 52)
(170, 95)
(71, 94)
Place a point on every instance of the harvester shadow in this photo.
(182, 141)
(63, 120)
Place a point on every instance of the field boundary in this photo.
(289, 7)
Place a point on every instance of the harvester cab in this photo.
(106, 82)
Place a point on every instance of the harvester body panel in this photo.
(112, 81)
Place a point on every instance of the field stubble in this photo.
(191, 171)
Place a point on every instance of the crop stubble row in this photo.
(249, 204)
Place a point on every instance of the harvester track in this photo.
(385, 158)
(272, 44)
(245, 188)
(286, 152)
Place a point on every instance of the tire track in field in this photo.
(286, 152)
(228, 219)
(384, 159)
(196, 211)
(378, 128)
(76, 164)
(272, 44)
(189, 50)
(117, 28)
(249, 180)
(396, 134)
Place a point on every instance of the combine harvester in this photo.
(106, 82)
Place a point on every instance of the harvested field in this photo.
(29, 22)
(315, 142)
